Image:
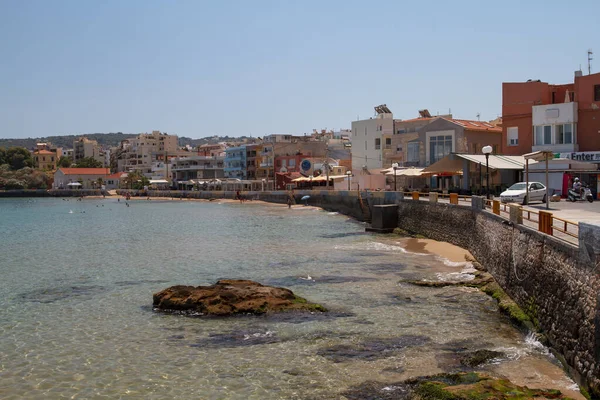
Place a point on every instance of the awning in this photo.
(335, 177)
(446, 166)
(158, 181)
(301, 179)
(539, 155)
(74, 184)
(407, 172)
(496, 162)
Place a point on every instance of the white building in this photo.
(370, 137)
(140, 153)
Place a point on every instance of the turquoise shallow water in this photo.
(78, 277)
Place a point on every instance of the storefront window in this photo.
(439, 147)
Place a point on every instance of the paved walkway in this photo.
(573, 212)
(576, 212)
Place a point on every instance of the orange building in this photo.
(44, 159)
(560, 118)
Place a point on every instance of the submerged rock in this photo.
(461, 386)
(479, 357)
(481, 279)
(229, 297)
(371, 349)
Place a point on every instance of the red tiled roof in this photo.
(85, 171)
(44, 152)
(476, 125)
(117, 175)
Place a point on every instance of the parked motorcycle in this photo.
(586, 194)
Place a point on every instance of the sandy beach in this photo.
(428, 246)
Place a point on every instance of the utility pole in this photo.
(326, 164)
(167, 168)
(274, 176)
(590, 61)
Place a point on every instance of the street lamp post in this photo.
(395, 166)
(263, 185)
(349, 174)
(487, 150)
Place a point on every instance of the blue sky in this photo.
(200, 68)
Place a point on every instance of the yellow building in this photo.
(44, 159)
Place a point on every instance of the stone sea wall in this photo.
(552, 281)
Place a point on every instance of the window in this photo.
(439, 147)
(568, 132)
(563, 134)
(401, 131)
(412, 151)
(596, 92)
(292, 162)
(512, 136)
(365, 144)
(377, 143)
(543, 135)
(388, 143)
(547, 134)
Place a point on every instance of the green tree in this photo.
(136, 180)
(88, 162)
(18, 158)
(2, 155)
(64, 162)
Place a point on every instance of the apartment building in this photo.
(235, 162)
(139, 153)
(561, 118)
(197, 167)
(86, 148)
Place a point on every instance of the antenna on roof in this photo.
(478, 116)
(590, 61)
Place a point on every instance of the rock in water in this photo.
(230, 296)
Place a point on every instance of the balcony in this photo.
(550, 114)
(233, 157)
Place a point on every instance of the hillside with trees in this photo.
(108, 140)
(66, 141)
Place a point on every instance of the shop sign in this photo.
(589, 156)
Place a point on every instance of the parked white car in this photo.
(516, 193)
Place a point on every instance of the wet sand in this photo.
(428, 246)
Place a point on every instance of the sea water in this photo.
(76, 318)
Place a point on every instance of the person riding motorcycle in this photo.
(577, 187)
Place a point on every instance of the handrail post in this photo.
(433, 197)
(516, 213)
(496, 207)
(545, 222)
(453, 198)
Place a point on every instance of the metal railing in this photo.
(542, 220)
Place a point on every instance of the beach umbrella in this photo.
(305, 199)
